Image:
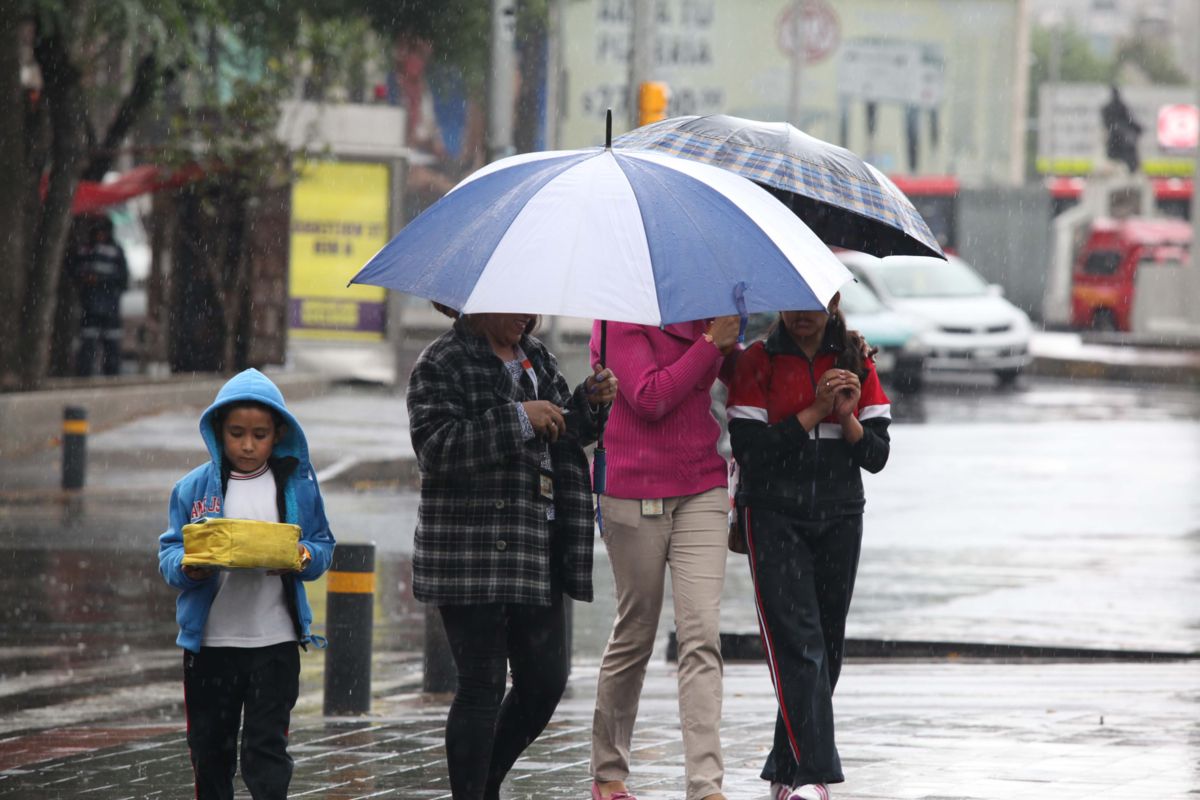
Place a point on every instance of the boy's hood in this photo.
(253, 385)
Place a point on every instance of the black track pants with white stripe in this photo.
(803, 579)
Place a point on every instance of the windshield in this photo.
(930, 277)
(858, 299)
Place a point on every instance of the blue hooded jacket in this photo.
(200, 494)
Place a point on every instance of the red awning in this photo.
(92, 197)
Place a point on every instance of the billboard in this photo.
(919, 87)
(1071, 137)
(339, 220)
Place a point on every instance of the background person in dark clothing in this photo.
(1122, 131)
(806, 415)
(99, 270)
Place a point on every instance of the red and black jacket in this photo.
(780, 464)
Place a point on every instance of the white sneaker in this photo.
(780, 791)
(810, 791)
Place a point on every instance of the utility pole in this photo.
(1020, 112)
(501, 91)
(641, 54)
(795, 88)
(555, 83)
(1055, 75)
(1193, 283)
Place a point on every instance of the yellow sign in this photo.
(339, 220)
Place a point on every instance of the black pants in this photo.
(220, 684)
(803, 579)
(102, 331)
(485, 735)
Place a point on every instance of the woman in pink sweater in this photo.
(666, 505)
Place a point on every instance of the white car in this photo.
(971, 327)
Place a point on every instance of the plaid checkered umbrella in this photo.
(843, 199)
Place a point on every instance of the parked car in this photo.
(1104, 278)
(972, 328)
(901, 357)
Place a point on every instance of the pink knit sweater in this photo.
(661, 436)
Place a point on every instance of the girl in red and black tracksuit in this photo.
(806, 415)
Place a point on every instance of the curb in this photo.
(748, 647)
(1076, 369)
(30, 421)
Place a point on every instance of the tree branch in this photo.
(147, 81)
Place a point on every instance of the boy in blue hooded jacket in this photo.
(241, 629)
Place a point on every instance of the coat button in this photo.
(499, 504)
(501, 545)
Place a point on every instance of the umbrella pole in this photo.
(600, 456)
(608, 130)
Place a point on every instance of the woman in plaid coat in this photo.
(504, 528)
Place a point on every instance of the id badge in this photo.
(545, 485)
(652, 508)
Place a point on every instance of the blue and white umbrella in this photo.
(609, 234)
(619, 235)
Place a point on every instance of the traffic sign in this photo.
(820, 26)
(1178, 126)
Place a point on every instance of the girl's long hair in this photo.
(851, 358)
(851, 342)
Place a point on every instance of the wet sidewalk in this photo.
(906, 730)
(1058, 515)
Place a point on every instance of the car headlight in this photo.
(918, 343)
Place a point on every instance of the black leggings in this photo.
(484, 736)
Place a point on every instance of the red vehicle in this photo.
(936, 199)
(1105, 271)
(1172, 196)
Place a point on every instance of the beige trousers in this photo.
(690, 537)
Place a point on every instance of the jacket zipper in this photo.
(812, 378)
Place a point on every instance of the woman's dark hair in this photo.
(447, 310)
(220, 415)
(530, 327)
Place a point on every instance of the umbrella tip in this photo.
(608, 129)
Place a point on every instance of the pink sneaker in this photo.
(809, 791)
(614, 796)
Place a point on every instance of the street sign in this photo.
(1178, 126)
(892, 71)
(821, 30)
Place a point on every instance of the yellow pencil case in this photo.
(241, 544)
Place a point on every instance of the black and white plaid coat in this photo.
(482, 534)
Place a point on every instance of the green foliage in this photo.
(459, 30)
(1077, 62)
(1152, 59)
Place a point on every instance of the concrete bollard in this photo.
(74, 447)
(349, 616)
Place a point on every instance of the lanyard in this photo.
(527, 365)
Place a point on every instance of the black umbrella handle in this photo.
(602, 413)
(608, 130)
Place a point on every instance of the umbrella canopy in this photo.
(609, 234)
(845, 200)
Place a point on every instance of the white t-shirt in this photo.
(250, 609)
